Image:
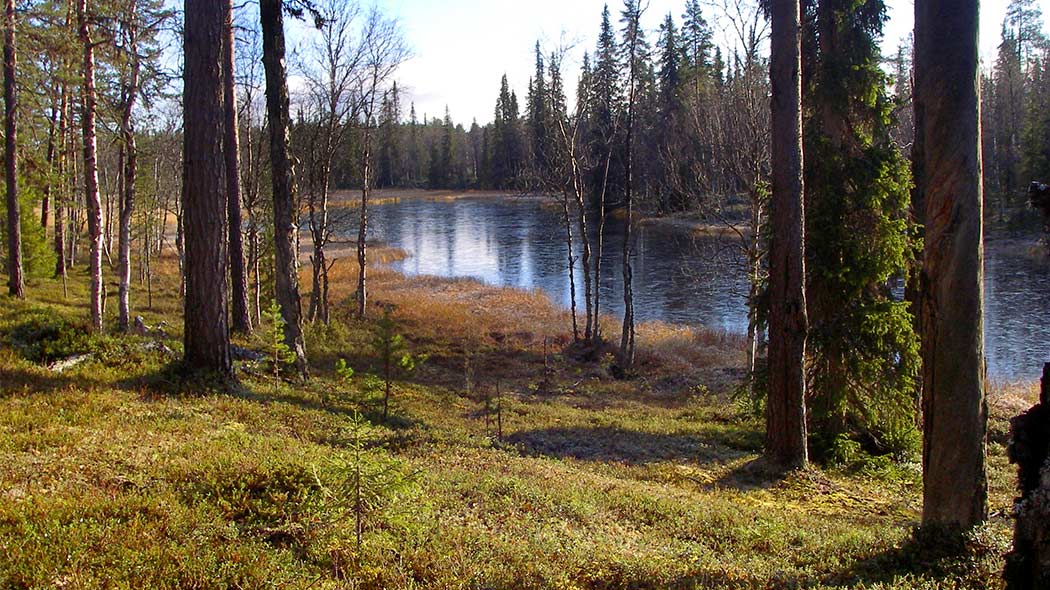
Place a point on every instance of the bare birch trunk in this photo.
(129, 174)
(91, 196)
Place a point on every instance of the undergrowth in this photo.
(113, 477)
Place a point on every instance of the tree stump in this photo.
(1028, 565)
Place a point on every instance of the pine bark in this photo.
(785, 406)
(207, 336)
(284, 213)
(240, 320)
(88, 102)
(15, 282)
(955, 488)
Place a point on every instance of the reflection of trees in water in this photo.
(681, 276)
(1017, 341)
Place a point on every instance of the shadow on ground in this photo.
(624, 446)
(17, 380)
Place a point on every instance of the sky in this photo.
(463, 47)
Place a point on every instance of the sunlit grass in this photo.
(110, 480)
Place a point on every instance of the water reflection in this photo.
(679, 277)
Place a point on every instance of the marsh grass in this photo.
(109, 481)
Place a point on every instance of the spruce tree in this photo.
(1035, 140)
(862, 346)
(606, 101)
(696, 40)
(669, 61)
(508, 146)
(539, 119)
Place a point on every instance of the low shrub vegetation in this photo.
(110, 481)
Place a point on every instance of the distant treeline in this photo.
(700, 122)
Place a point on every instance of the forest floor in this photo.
(117, 473)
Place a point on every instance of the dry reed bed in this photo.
(458, 316)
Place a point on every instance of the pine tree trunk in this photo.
(785, 406)
(91, 196)
(955, 488)
(207, 336)
(240, 319)
(129, 172)
(15, 283)
(284, 211)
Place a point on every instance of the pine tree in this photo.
(415, 151)
(207, 336)
(670, 56)
(15, 283)
(955, 418)
(786, 402)
(277, 107)
(390, 172)
(1007, 109)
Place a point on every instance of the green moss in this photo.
(108, 482)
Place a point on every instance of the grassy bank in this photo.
(117, 474)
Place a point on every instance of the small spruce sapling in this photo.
(281, 352)
(390, 346)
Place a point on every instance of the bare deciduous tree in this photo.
(334, 70)
(384, 51)
(88, 104)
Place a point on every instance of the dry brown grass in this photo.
(1006, 400)
(508, 331)
(352, 198)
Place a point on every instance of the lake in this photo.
(679, 277)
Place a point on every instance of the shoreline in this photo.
(380, 254)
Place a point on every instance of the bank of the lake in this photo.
(688, 271)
